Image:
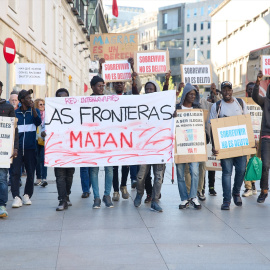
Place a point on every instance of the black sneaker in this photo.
(225, 206)
(108, 201)
(68, 201)
(148, 199)
(201, 196)
(62, 206)
(184, 204)
(237, 199)
(195, 203)
(43, 183)
(262, 197)
(212, 192)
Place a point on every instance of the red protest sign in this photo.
(9, 50)
(152, 62)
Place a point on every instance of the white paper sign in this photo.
(212, 163)
(196, 74)
(113, 71)
(33, 74)
(233, 136)
(266, 65)
(190, 133)
(110, 130)
(6, 140)
(255, 112)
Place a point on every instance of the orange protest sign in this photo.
(113, 46)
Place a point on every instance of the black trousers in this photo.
(211, 178)
(64, 179)
(28, 156)
(125, 172)
(265, 155)
(148, 183)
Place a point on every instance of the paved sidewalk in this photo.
(124, 237)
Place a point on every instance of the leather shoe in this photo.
(62, 206)
(85, 195)
(237, 199)
(225, 206)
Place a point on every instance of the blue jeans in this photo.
(85, 179)
(3, 186)
(41, 170)
(108, 180)
(227, 167)
(134, 169)
(194, 173)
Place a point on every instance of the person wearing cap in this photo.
(230, 106)
(190, 100)
(264, 102)
(28, 121)
(6, 110)
(90, 174)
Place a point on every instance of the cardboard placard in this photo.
(190, 143)
(7, 133)
(212, 163)
(116, 71)
(152, 62)
(233, 136)
(265, 64)
(28, 73)
(113, 46)
(196, 74)
(255, 112)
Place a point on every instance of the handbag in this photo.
(254, 169)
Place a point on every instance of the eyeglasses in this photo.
(41, 104)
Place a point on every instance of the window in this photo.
(234, 75)
(202, 11)
(208, 39)
(188, 13)
(195, 11)
(187, 55)
(240, 74)
(188, 28)
(64, 35)
(201, 25)
(175, 61)
(194, 41)
(54, 29)
(208, 54)
(165, 20)
(209, 25)
(195, 27)
(209, 10)
(179, 17)
(188, 42)
(201, 40)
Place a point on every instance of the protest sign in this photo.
(33, 74)
(212, 163)
(233, 136)
(196, 74)
(255, 112)
(7, 133)
(265, 64)
(116, 71)
(109, 130)
(152, 62)
(190, 136)
(113, 46)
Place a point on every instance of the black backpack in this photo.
(240, 101)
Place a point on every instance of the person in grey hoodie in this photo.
(190, 100)
(158, 169)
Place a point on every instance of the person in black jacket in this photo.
(6, 110)
(264, 102)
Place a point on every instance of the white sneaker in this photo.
(17, 202)
(247, 192)
(254, 190)
(26, 200)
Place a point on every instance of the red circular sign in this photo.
(9, 50)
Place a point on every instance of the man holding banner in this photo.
(230, 106)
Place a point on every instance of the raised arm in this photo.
(255, 94)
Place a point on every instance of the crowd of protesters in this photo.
(30, 136)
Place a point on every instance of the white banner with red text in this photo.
(110, 130)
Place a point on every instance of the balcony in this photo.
(84, 29)
(170, 32)
(80, 21)
(75, 11)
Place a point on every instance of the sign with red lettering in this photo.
(196, 74)
(190, 136)
(116, 71)
(265, 64)
(109, 130)
(152, 62)
(113, 46)
(212, 163)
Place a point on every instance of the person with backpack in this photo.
(230, 106)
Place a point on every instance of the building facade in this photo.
(234, 34)
(171, 36)
(198, 31)
(53, 32)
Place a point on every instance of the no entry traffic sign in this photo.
(9, 50)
